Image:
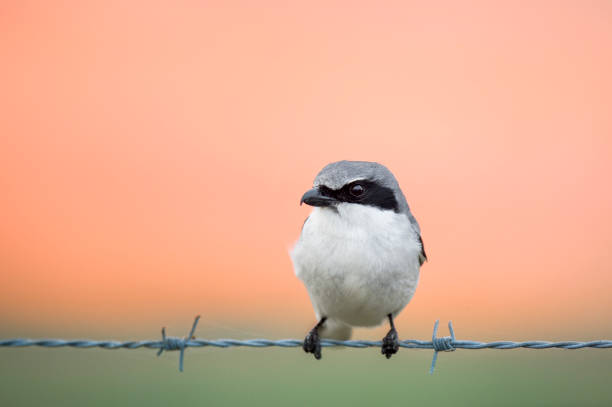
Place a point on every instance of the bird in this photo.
(359, 252)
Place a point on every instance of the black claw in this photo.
(390, 344)
(312, 343)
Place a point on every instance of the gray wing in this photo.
(415, 225)
(422, 255)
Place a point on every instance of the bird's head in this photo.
(356, 182)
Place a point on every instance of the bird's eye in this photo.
(357, 190)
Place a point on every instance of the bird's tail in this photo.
(333, 329)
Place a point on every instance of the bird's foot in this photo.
(390, 343)
(312, 343)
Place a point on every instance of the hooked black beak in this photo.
(315, 198)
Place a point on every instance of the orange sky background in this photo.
(152, 157)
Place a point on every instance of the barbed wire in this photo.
(171, 343)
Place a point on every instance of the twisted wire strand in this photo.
(292, 343)
(169, 343)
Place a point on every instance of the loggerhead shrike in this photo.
(359, 252)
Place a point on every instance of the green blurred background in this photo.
(287, 377)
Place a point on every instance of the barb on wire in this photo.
(169, 343)
(444, 344)
(174, 343)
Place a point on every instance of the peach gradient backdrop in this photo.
(152, 156)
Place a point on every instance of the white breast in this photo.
(358, 263)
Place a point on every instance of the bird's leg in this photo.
(312, 343)
(390, 343)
